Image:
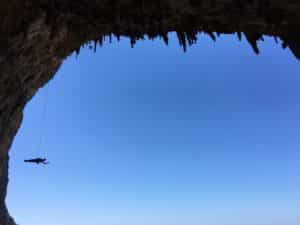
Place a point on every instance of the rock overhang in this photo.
(37, 35)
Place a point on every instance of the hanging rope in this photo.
(43, 119)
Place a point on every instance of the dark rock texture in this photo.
(37, 35)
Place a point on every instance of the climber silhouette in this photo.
(37, 161)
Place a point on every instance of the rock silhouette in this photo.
(37, 35)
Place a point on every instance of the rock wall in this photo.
(37, 35)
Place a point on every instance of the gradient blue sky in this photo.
(155, 136)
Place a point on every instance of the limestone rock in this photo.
(37, 35)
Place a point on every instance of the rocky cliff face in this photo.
(37, 35)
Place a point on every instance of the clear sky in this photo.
(155, 136)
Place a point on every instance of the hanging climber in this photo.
(37, 161)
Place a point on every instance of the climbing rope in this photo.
(43, 119)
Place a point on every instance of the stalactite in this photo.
(37, 35)
(239, 34)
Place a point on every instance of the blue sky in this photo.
(152, 136)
